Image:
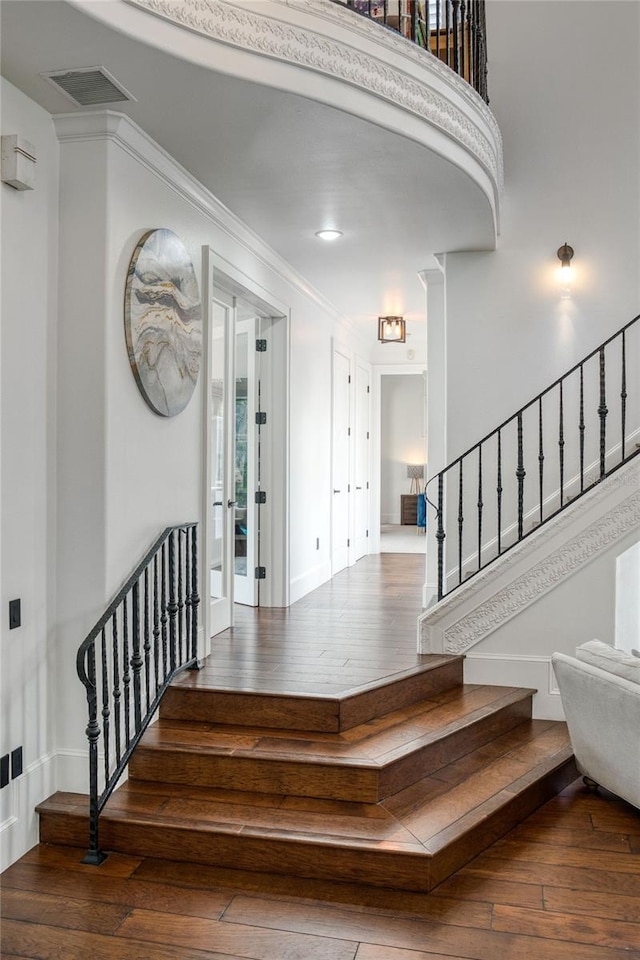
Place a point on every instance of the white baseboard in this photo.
(306, 582)
(518, 671)
(19, 827)
(390, 518)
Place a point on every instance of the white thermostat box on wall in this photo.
(18, 162)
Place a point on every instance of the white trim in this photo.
(308, 581)
(515, 670)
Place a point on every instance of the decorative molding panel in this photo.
(533, 568)
(332, 41)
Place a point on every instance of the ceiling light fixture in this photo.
(392, 330)
(329, 234)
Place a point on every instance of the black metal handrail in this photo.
(572, 416)
(147, 635)
(452, 30)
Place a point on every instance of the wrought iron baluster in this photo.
(136, 655)
(520, 475)
(195, 598)
(164, 619)
(540, 460)
(172, 607)
(116, 685)
(440, 536)
(460, 521)
(447, 31)
(480, 506)
(106, 712)
(561, 444)
(188, 598)
(438, 3)
(581, 428)
(462, 37)
(455, 4)
(147, 639)
(156, 623)
(602, 413)
(499, 492)
(623, 393)
(180, 598)
(126, 675)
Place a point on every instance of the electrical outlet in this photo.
(16, 762)
(14, 614)
(4, 770)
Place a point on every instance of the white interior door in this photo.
(340, 463)
(247, 515)
(221, 457)
(362, 462)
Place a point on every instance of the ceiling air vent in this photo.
(89, 86)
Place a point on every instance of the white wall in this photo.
(28, 480)
(563, 83)
(402, 438)
(627, 625)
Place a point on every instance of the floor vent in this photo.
(89, 86)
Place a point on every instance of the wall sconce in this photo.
(392, 330)
(415, 472)
(565, 255)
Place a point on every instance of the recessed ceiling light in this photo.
(329, 234)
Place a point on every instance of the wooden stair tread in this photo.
(372, 744)
(194, 823)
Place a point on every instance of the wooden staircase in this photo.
(397, 783)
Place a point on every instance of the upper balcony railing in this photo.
(453, 30)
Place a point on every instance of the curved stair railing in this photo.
(569, 438)
(147, 635)
(452, 30)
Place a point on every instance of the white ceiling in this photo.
(286, 165)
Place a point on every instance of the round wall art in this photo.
(163, 321)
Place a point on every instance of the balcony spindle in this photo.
(195, 598)
(172, 607)
(126, 675)
(602, 413)
(180, 598)
(156, 623)
(117, 694)
(463, 35)
(106, 712)
(147, 640)
(499, 492)
(164, 617)
(455, 4)
(136, 658)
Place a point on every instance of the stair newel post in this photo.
(136, 655)
(480, 506)
(440, 535)
(561, 443)
(520, 475)
(499, 492)
(195, 597)
(623, 394)
(602, 413)
(87, 673)
(540, 460)
(172, 607)
(581, 428)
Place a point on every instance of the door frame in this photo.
(218, 273)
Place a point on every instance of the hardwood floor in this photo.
(562, 885)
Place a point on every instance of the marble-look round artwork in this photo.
(163, 321)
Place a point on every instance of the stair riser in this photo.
(320, 715)
(311, 779)
(321, 861)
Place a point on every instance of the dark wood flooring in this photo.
(562, 885)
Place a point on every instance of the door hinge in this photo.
(367, 434)
(348, 488)
(367, 484)
(261, 346)
(261, 573)
(348, 543)
(348, 431)
(367, 533)
(349, 379)
(261, 417)
(368, 388)
(261, 496)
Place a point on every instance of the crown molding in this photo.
(329, 41)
